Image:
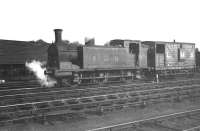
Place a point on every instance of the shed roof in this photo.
(165, 42)
(18, 52)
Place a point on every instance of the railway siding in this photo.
(62, 93)
(100, 102)
(180, 121)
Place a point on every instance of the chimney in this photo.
(89, 41)
(58, 35)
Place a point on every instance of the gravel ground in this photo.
(84, 122)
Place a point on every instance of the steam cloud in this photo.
(36, 67)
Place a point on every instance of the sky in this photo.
(157, 20)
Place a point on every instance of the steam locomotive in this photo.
(120, 60)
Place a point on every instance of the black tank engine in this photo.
(120, 60)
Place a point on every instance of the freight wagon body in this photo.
(180, 55)
(171, 57)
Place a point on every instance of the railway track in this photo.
(104, 102)
(47, 94)
(27, 105)
(180, 121)
(19, 84)
(23, 87)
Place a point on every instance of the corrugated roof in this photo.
(165, 42)
(18, 52)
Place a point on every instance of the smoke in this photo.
(36, 67)
(2, 81)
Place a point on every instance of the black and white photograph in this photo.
(100, 65)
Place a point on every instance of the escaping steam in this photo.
(36, 67)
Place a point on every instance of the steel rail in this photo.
(74, 90)
(140, 84)
(144, 120)
(129, 92)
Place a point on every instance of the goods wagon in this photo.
(181, 55)
(171, 56)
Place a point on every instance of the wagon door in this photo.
(143, 55)
(151, 57)
(134, 50)
(160, 56)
